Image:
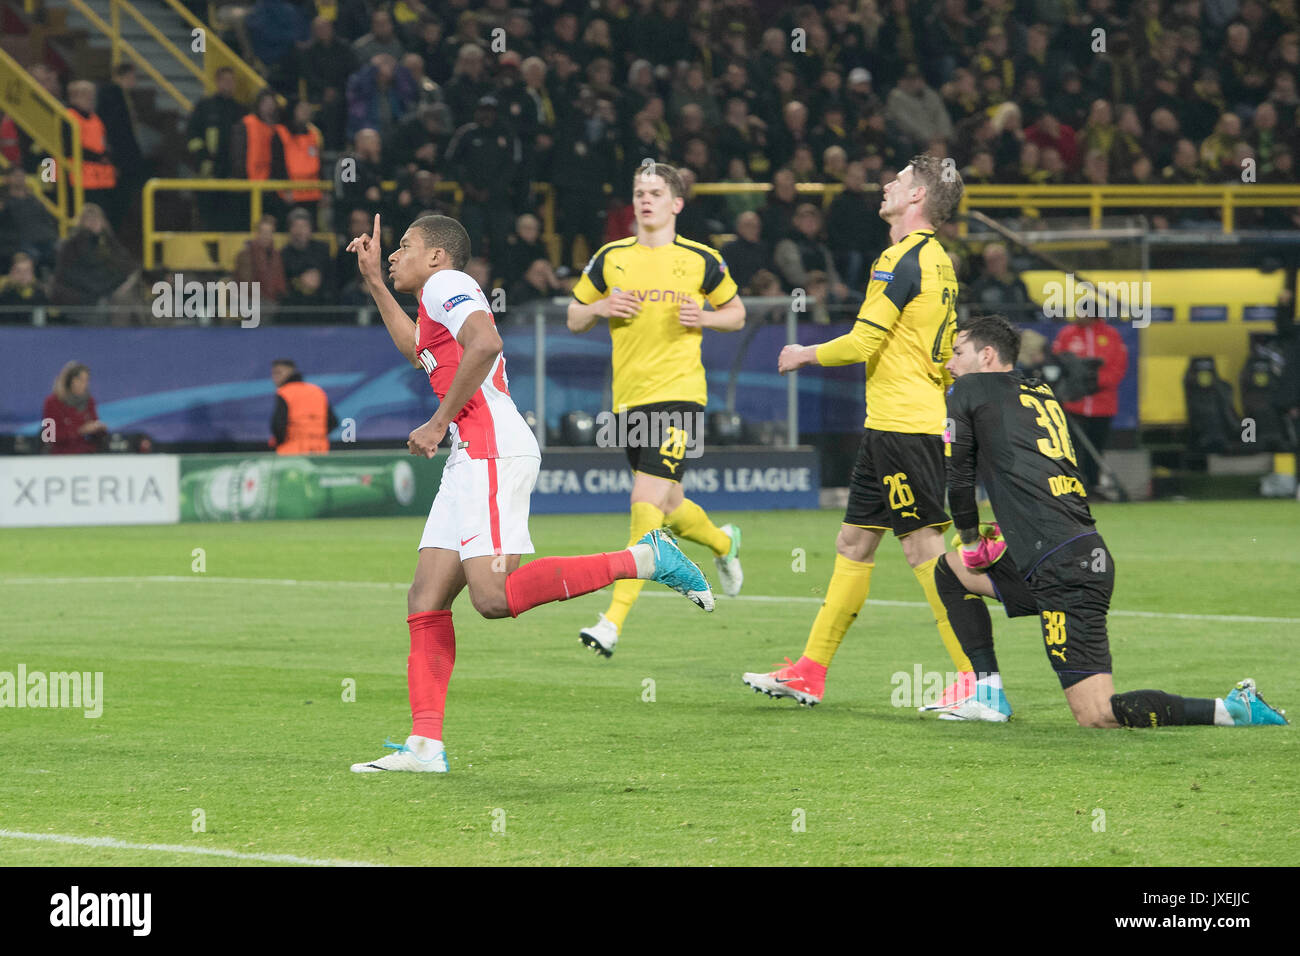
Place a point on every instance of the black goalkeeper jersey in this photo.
(1011, 432)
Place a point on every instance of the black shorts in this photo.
(1009, 585)
(661, 437)
(898, 483)
(1072, 587)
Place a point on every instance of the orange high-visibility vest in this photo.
(308, 418)
(302, 160)
(94, 139)
(257, 154)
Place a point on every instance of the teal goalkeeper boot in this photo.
(1247, 708)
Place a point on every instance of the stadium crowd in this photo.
(496, 97)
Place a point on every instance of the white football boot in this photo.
(417, 755)
(987, 703)
(729, 573)
(601, 637)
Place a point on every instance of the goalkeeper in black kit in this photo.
(1044, 557)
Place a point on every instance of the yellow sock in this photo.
(925, 575)
(645, 518)
(688, 520)
(845, 596)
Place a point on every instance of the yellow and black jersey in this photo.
(656, 359)
(904, 333)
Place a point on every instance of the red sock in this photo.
(558, 579)
(428, 670)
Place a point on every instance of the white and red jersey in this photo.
(489, 426)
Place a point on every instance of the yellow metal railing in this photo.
(216, 54)
(1226, 199)
(255, 188)
(203, 39)
(47, 122)
(113, 32)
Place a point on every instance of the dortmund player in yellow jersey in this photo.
(652, 288)
(904, 334)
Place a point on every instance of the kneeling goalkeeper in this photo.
(1011, 431)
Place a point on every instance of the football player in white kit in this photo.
(478, 525)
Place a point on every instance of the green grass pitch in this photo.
(224, 692)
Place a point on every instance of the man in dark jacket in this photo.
(485, 158)
(115, 108)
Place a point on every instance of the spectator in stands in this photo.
(20, 293)
(747, 254)
(733, 204)
(420, 142)
(208, 139)
(1217, 152)
(117, 110)
(255, 149)
(274, 27)
(259, 261)
(25, 224)
(917, 110)
(778, 213)
(303, 417)
(1264, 137)
(94, 269)
(790, 133)
(854, 229)
(302, 252)
(358, 182)
(1162, 137)
(379, 95)
(1071, 103)
(301, 143)
(1201, 111)
(485, 158)
(539, 281)
(743, 136)
(701, 216)
(804, 250)
(999, 289)
(323, 68)
(306, 300)
(586, 157)
(382, 38)
(1185, 170)
(523, 247)
(468, 84)
(71, 409)
(417, 195)
(98, 172)
(1093, 338)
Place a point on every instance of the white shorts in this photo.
(482, 507)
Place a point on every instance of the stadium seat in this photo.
(181, 252)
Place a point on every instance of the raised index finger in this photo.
(376, 232)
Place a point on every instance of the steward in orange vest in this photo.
(257, 153)
(303, 418)
(302, 144)
(97, 169)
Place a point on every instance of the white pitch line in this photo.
(757, 598)
(174, 848)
